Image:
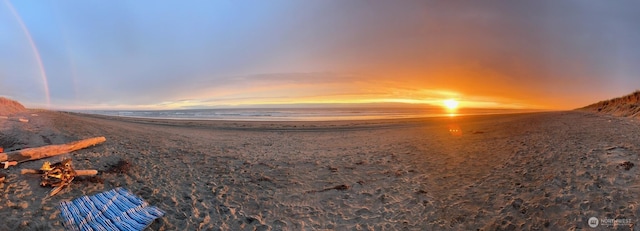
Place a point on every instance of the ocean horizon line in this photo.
(300, 114)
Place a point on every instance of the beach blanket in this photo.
(116, 209)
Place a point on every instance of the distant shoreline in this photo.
(299, 114)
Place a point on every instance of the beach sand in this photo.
(551, 170)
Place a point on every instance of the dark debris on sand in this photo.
(122, 166)
(627, 165)
(341, 187)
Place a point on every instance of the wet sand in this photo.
(550, 170)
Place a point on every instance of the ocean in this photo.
(298, 114)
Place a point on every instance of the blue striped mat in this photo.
(116, 209)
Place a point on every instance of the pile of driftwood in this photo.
(58, 175)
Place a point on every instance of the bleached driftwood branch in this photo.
(49, 150)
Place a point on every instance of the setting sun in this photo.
(451, 104)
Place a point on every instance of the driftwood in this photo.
(8, 164)
(58, 175)
(49, 150)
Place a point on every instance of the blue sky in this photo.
(186, 54)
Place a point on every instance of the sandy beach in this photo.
(551, 170)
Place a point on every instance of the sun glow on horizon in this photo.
(449, 101)
(451, 104)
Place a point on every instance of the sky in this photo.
(548, 54)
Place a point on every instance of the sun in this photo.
(451, 104)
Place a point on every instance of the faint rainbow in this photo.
(36, 53)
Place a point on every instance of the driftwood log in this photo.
(49, 150)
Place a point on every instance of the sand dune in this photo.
(8, 107)
(626, 106)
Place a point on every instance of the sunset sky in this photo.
(194, 54)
